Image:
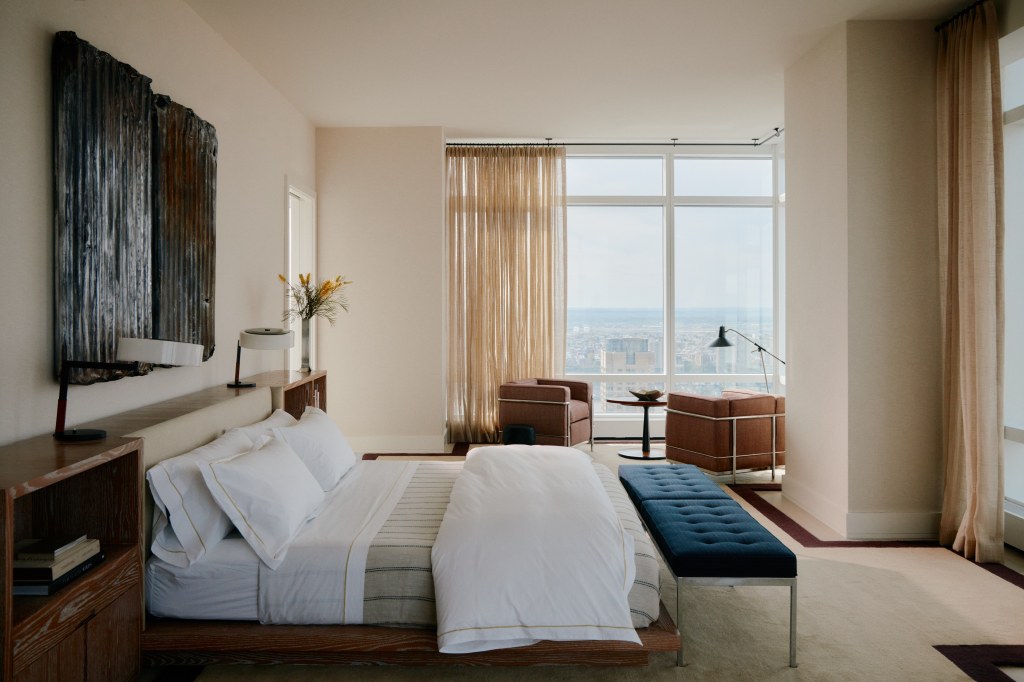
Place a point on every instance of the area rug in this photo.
(981, 662)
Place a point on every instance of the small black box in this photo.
(519, 434)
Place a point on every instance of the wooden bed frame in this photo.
(177, 426)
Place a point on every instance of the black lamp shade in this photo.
(721, 341)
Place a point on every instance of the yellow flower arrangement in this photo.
(309, 299)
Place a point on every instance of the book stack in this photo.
(44, 565)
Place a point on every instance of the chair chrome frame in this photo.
(568, 418)
(735, 420)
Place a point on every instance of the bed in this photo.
(398, 616)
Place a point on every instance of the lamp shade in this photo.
(267, 338)
(260, 338)
(159, 352)
(721, 341)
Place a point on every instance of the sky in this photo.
(723, 254)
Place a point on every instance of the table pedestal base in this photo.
(639, 454)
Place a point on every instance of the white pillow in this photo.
(266, 427)
(268, 493)
(321, 446)
(187, 522)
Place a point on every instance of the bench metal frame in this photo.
(735, 420)
(729, 582)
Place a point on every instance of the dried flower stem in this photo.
(310, 300)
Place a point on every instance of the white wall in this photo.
(380, 212)
(863, 392)
(817, 309)
(895, 328)
(262, 139)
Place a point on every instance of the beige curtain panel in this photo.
(970, 173)
(506, 277)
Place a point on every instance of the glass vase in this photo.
(305, 345)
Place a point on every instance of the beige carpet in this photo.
(863, 614)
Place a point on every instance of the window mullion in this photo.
(669, 350)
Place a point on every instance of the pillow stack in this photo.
(266, 480)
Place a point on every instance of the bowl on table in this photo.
(650, 394)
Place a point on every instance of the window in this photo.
(663, 248)
(1013, 391)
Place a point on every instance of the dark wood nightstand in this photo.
(90, 629)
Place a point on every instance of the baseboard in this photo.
(861, 525)
(814, 503)
(892, 525)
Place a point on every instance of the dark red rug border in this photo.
(981, 661)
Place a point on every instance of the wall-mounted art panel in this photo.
(102, 146)
(184, 225)
(134, 211)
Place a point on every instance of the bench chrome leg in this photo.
(792, 625)
(679, 621)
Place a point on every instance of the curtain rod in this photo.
(959, 14)
(674, 142)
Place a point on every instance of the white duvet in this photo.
(530, 549)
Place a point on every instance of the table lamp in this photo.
(260, 338)
(130, 352)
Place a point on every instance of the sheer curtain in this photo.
(970, 172)
(506, 277)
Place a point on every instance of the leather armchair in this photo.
(739, 430)
(558, 410)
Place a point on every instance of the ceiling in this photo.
(572, 70)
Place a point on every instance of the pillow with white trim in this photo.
(318, 441)
(187, 521)
(268, 493)
(266, 427)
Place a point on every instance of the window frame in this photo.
(621, 424)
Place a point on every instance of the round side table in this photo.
(645, 452)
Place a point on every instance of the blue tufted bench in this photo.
(706, 538)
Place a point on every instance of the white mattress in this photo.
(223, 586)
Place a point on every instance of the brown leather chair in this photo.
(558, 410)
(739, 430)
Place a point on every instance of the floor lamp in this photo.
(260, 338)
(722, 342)
(130, 352)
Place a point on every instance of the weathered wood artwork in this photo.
(134, 211)
(184, 213)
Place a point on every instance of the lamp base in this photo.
(240, 384)
(80, 435)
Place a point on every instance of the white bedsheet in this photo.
(221, 586)
(321, 579)
(530, 549)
